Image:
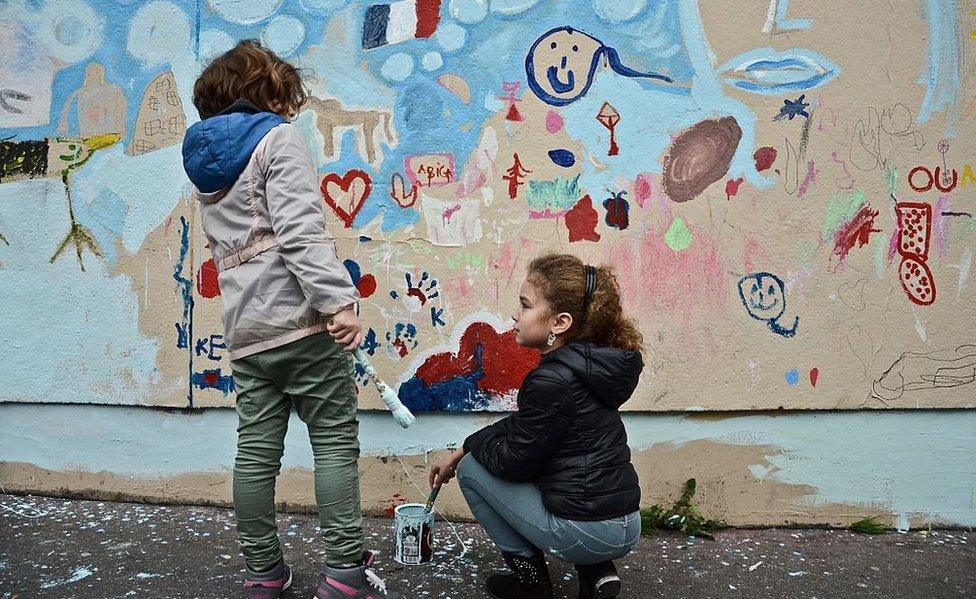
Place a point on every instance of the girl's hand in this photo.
(345, 328)
(444, 470)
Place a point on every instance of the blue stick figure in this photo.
(560, 65)
(764, 296)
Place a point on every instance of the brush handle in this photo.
(400, 412)
(432, 497)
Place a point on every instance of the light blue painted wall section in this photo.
(909, 462)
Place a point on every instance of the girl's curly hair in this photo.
(561, 279)
(252, 72)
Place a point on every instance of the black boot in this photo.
(598, 581)
(529, 580)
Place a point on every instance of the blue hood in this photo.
(216, 150)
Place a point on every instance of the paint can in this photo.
(414, 527)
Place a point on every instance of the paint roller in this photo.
(400, 412)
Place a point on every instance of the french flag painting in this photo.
(386, 24)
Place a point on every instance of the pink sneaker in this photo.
(357, 582)
(267, 585)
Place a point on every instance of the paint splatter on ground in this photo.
(66, 548)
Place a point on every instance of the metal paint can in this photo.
(414, 531)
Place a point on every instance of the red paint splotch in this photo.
(207, 285)
(503, 362)
(732, 187)
(764, 157)
(392, 504)
(855, 232)
(581, 221)
(366, 286)
(814, 376)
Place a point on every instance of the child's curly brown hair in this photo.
(251, 72)
(561, 278)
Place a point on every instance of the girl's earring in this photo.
(551, 339)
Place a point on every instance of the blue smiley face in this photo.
(561, 63)
(762, 294)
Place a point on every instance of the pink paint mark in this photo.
(207, 285)
(643, 188)
(732, 187)
(809, 180)
(855, 232)
(893, 241)
(582, 220)
(554, 122)
(814, 377)
(764, 157)
(750, 250)
(450, 212)
(937, 230)
(841, 183)
(666, 281)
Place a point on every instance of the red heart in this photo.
(351, 199)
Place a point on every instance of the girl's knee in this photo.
(466, 470)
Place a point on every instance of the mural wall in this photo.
(785, 190)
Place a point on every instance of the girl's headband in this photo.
(590, 289)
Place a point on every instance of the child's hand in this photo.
(441, 472)
(345, 328)
(444, 470)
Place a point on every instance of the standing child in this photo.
(289, 310)
(556, 476)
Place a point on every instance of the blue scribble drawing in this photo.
(370, 344)
(793, 108)
(561, 64)
(792, 377)
(941, 76)
(763, 295)
(184, 328)
(213, 379)
(766, 71)
(776, 21)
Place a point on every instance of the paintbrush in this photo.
(400, 412)
(430, 499)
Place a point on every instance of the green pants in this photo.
(316, 376)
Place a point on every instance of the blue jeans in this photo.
(516, 520)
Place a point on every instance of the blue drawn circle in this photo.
(618, 11)
(469, 12)
(451, 37)
(397, 67)
(512, 7)
(244, 12)
(432, 61)
(283, 35)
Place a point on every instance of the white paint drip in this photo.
(964, 266)
(919, 327)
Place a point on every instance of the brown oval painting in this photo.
(699, 157)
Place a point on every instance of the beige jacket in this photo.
(280, 275)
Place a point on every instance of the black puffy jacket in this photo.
(567, 436)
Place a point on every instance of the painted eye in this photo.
(755, 288)
(772, 290)
(553, 45)
(575, 48)
(72, 146)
